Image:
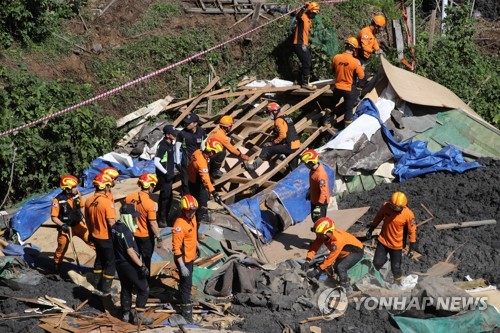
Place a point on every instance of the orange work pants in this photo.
(80, 230)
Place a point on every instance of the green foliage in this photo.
(456, 63)
(155, 17)
(44, 152)
(30, 21)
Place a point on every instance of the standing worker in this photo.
(220, 134)
(131, 270)
(319, 191)
(347, 70)
(101, 216)
(184, 244)
(67, 212)
(286, 140)
(368, 39)
(345, 251)
(301, 41)
(188, 140)
(113, 173)
(147, 228)
(399, 221)
(200, 185)
(165, 172)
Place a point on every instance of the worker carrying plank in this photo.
(347, 71)
(101, 216)
(301, 41)
(165, 172)
(319, 191)
(286, 140)
(147, 228)
(345, 251)
(399, 221)
(131, 269)
(184, 245)
(113, 173)
(220, 134)
(67, 213)
(200, 184)
(188, 140)
(367, 38)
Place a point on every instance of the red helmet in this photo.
(101, 181)
(310, 155)
(67, 182)
(188, 203)
(146, 180)
(213, 145)
(273, 107)
(323, 225)
(110, 171)
(226, 121)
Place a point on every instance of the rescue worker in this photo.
(200, 185)
(345, 251)
(301, 41)
(188, 140)
(67, 212)
(113, 173)
(147, 227)
(220, 134)
(132, 271)
(319, 191)
(368, 40)
(347, 71)
(399, 221)
(286, 140)
(101, 216)
(165, 172)
(184, 245)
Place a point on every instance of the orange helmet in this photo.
(67, 182)
(188, 203)
(146, 180)
(101, 181)
(353, 41)
(379, 20)
(313, 7)
(226, 121)
(110, 171)
(213, 145)
(399, 199)
(310, 155)
(323, 225)
(273, 107)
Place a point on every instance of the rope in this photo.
(144, 78)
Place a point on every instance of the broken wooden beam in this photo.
(255, 91)
(464, 224)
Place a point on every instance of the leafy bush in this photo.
(46, 151)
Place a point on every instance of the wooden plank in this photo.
(255, 91)
(246, 81)
(196, 101)
(189, 100)
(249, 115)
(159, 104)
(464, 224)
(130, 135)
(243, 180)
(432, 28)
(224, 111)
(218, 11)
(399, 38)
(202, 262)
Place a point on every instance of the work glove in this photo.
(217, 197)
(369, 233)
(244, 157)
(306, 265)
(159, 242)
(267, 144)
(412, 249)
(65, 228)
(304, 47)
(144, 271)
(313, 273)
(184, 271)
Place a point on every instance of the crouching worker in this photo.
(345, 251)
(131, 270)
(399, 221)
(184, 244)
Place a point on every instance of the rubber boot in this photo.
(95, 280)
(126, 307)
(347, 287)
(106, 285)
(139, 317)
(254, 165)
(187, 312)
(347, 123)
(398, 280)
(307, 85)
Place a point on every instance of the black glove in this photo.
(144, 271)
(65, 228)
(369, 233)
(306, 265)
(217, 197)
(412, 249)
(313, 273)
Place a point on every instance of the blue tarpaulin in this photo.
(291, 191)
(413, 158)
(36, 211)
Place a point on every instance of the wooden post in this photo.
(190, 86)
(464, 224)
(409, 22)
(399, 38)
(432, 27)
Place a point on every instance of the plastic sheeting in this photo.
(413, 158)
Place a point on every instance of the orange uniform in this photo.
(285, 134)
(147, 207)
(110, 196)
(185, 238)
(345, 65)
(221, 136)
(198, 166)
(395, 223)
(341, 244)
(98, 209)
(301, 36)
(368, 42)
(318, 183)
